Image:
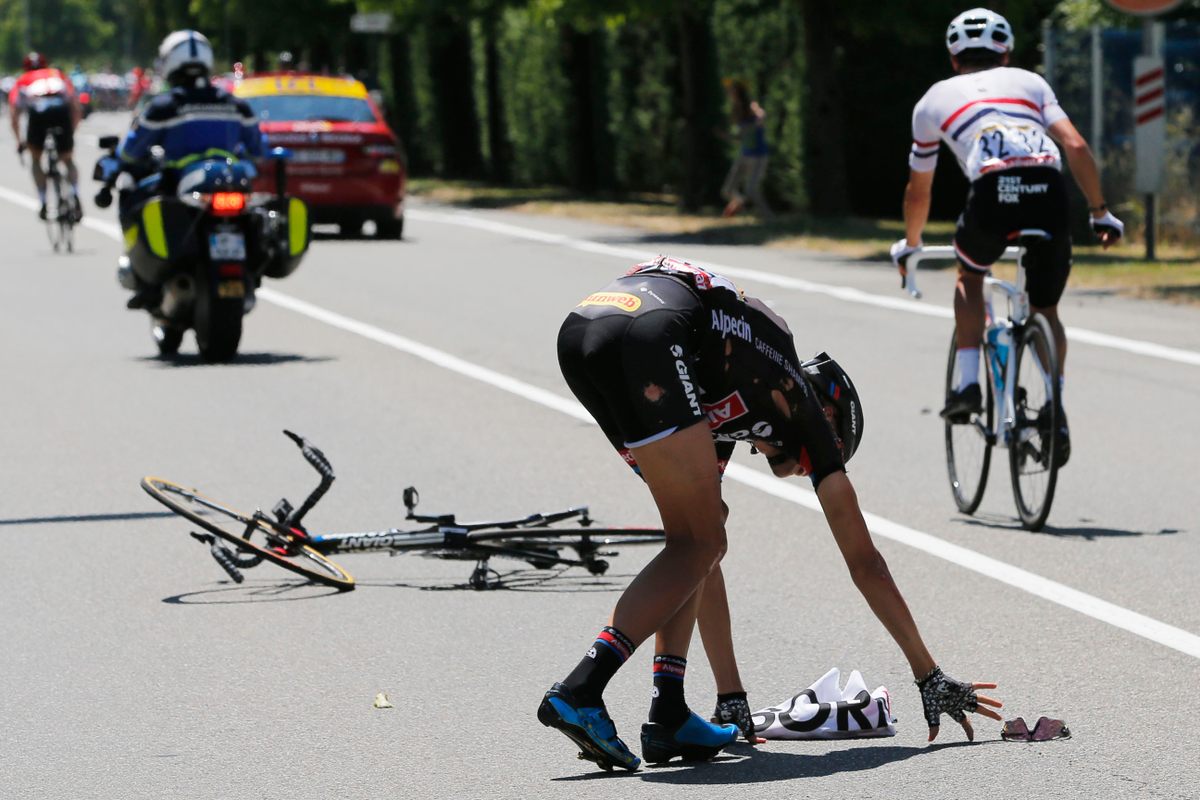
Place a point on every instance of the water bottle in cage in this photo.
(999, 336)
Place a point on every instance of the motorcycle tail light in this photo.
(228, 204)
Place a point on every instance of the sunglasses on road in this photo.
(1015, 730)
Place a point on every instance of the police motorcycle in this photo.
(198, 243)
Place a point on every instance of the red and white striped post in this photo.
(1150, 123)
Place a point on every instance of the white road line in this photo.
(844, 293)
(1089, 605)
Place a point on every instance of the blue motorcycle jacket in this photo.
(190, 124)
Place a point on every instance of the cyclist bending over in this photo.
(1002, 124)
(677, 366)
(47, 97)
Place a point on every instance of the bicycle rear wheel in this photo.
(969, 444)
(1033, 445)
(56, 207)
(248, 533)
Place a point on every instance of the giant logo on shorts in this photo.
(621, 300)
(725, 410)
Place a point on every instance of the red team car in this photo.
(346, 164)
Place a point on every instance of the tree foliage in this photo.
(600, 95)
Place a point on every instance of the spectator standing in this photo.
(745, 178)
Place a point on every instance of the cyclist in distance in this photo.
(48, 99)
(192, 121)
(1001, 123)
(677, 366)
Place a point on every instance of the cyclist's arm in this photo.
(1082, 163)
(917, 198)
(76, 110)
(14, 114)
(869, 571)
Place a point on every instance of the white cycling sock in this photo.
(74, 190)
(968, 367)
(42, 196)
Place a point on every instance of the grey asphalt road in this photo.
(133, 668)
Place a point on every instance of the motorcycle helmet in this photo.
(979, 28)
(185, 55)
(833, 385)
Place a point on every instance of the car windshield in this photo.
(310, 108)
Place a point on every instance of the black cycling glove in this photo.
(733, 709)
(941, 693)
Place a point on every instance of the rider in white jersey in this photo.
(995, 119)
(1005, 127)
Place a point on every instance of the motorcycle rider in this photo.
(192, 121)
(46, 95)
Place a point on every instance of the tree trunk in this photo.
(402, 111)
(703, 158)
(452, 72)
(499, 145)
(590, 141)
(824, 121)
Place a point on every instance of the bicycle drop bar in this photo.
(940, 252)
(321, 464)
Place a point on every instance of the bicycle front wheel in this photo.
(1033, 442)
(249, 534)
(969, 444)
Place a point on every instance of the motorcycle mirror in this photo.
(279, 153)
(109, 142)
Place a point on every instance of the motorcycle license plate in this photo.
(227, 247)
(227, 289)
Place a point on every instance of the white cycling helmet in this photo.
(979, 28)
(183, 49)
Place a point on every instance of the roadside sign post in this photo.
(1150, 122)
(372, 23)
(1149, 104)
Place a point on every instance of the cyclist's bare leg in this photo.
(969, 315)
(68, 158)
(39, 174)
(716, 631)
(1060, 333)
(675, 637)
(682, 473)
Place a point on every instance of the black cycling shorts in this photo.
(56, 118)
(1001, 203)
(631, 372)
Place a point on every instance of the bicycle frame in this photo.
(1017, 302)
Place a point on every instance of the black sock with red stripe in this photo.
(668, 706)
(587, 681)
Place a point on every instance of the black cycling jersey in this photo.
(670, 344)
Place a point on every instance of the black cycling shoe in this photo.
(1062, 436)
(961, 405)
(43, 214)
(146, 297)
(76, 210)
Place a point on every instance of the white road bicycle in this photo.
(1022, 401)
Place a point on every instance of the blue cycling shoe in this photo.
(694, 740)
(589, 727)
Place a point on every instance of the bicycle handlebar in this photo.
(926, 252)
(321, 464)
